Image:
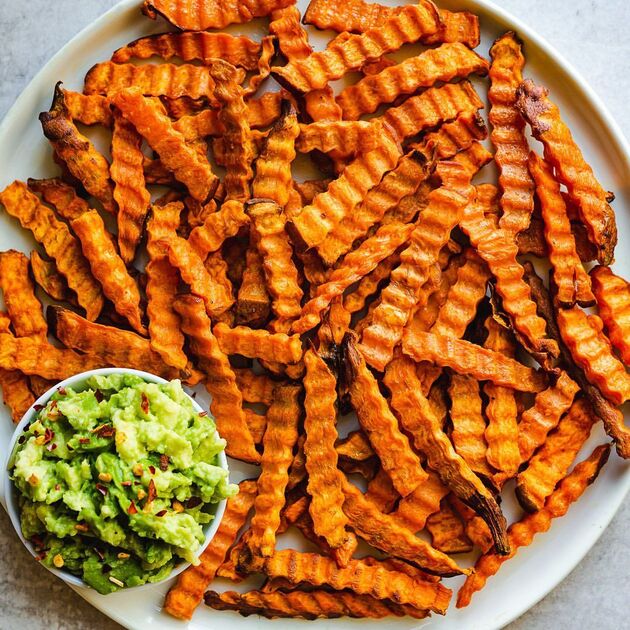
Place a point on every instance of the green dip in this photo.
(117, 482)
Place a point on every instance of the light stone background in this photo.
(593, 35)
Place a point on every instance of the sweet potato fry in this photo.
(564, 155)
(61, 196)
(380, 425)
(90, 109)
(152, 124)
(253, 304)
(447, 531)
(47, 276)
(381, 492)
(369, 285)
(187, 593)
(474, 526)
(345, 137)
(552, 460)
(445, 63)
(59, 244)
(521, 533)
(77, 152)
(278, 442)
(16, 393)
(217, 269)
(355, 446)
(613, 301)
(350, 53)
(292, 38)
(108, 268)
(263, 66)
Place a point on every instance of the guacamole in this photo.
(117, 482)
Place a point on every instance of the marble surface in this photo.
(592, 34)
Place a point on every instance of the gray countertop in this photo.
(593, 35)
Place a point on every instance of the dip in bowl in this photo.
(116, 479)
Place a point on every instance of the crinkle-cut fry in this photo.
(431, 108)
(591, 351)
(90, 109)
(409, 207)
(297, 470)
(501, 411)
(257, 425)
(474, 158)
(227, 401)
(187, 593)
(16, 393)
(469, 425)
(253, 303)
(411, 170)
(354, 266)
(278, 442)
(201, 15)
(240, 51)
(572, 282)
(508, 137)
(263, 67)
(61, 196)
(292, 38)
(445, 63)
(418, 419)
(349, 53)
(156, 173)
(374, 67)
(551, 461)
(359, 576)
(255, 388)
(273, 179)
(130, 192)
(259, 344)
(309, 189)
(344, 137)
(83, 161)
(188, 166)
(105, 345)
(571, 169)
(356, 446)
(499, 249)
(109, 268)
(467, 358)
(316, 221)
(314, 604)
(521, 533)
(58, 243)
(544, 415)
(613, 302)
(218, 227)
(23, 307)
(380, 424)
(217, 269)
(47, 276)
(385, 533)
(474, 526)
(447, 531)
(368, 286)
(381, 492)
(401, 296)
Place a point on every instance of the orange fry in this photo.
(187, 593)
(47, 276)
(90, 109)
(521, 533)
(16, 393)
(447, 531)
(369, 285)
(381, 492)
(344, 137)
(61, 196)
(253, 303)
(355, 446)
(414, 509)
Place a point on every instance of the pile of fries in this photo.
(392, 285)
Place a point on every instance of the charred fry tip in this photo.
(530, 101)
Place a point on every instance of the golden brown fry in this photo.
(59, 244)
(108, 268)
(344, 138)
(355, 446)
(263, 67)
(185, 162)
(61, 196)
(447, 531)
(278, 442)
(564, 155)
(521, 533)
(381, 492)
(16, 393)
(186, 594)
(253, 303)
(47, 276)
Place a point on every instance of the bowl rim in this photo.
(8, 493)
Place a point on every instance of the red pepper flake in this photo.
(38, 407)
(161, 513)
(125, 483)
(132, 509)
(105, 431)
(152, 470)
(41, 556)
(81, 527)
(193, 502)
(38, 543)
(164, 462)
(84, 440)
(51, 447)
(203, 414)
(102, 489)
(145, 403)
(49, 434)
(152, 492)
(57, 487)
(53, 404)
(98, 394)
(62, 391)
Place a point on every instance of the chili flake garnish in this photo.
(164, 462)
(152, 470)
(203, 414)
(152, 492)
(98, 394)
(161, 513)
(101, 488)
(145, 403)
(84, 440)
(125, 483)
(132, 509)
(193, 502)
(62, 391)
(38, 407)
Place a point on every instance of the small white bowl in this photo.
(9, 493)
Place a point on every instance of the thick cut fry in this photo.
(130, 192)
(564, 155)
(59, 244)
(201, 15)
(238, 50)
(380, 425)
(401, 296)
(447, 531)
(278, 442)
(572, 282)
(351, 52)
(613, 301)
(344, 138)
(317, 220)
(61, 196)
(355, 265)
(419, 420)
(47, 276)
(359, 576)
(259, 344)
(592, 351)
(508, 137)
(188, 166)
(445, 63)
(384, 532)
(83, 161)
(90, 109)
(187, 593)
(108, 268)
(227, 401)
(467, 358)
(521, 533)
(551, 462)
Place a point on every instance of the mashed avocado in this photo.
(117, 481)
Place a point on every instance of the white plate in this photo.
(537, 569)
